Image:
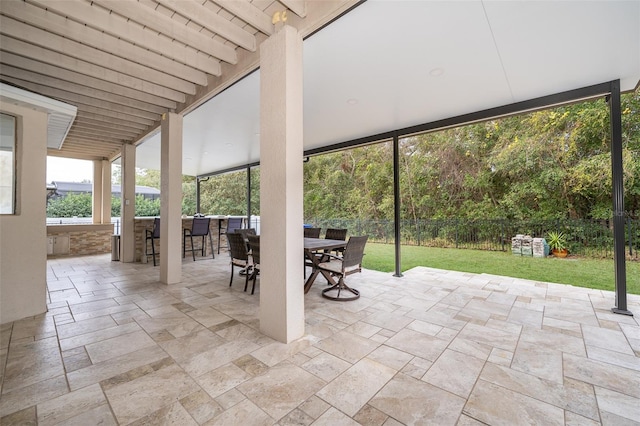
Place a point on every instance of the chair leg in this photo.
(246, 277)
(341, 285)
(153, 251)
(193, 252)
(231, 280)
(213, 252)
(255, 276)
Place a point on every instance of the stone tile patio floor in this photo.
(435, 347)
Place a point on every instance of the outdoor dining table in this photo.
(311, 247)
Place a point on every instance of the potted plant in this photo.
(557, 243)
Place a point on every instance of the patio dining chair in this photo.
(341, 266)
(150, 236)
(233, 224)
(254, 246)
(199, 228)
(312, 232)
(239, 255)
(336, 234)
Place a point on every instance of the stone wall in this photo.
(84, 239)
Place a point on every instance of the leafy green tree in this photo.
(71, 205)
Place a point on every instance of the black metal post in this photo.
(249, 197)
(197, 195)
(630, 236)
(396, 203)
(618, 200)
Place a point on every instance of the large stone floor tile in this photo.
(347, 346)
(146, 394)
(454, 372)
(412, 401)
(496, 405)
(32, 362)
(281, 389)
(572, 395)
(597, 373)
(418, 344)
(350, 391)
(243, 413)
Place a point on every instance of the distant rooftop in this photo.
(83, 187)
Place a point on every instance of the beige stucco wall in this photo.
(23, 245)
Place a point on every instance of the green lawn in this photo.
(583, 272)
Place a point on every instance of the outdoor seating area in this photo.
(119, 347)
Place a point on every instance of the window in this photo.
(7, 164)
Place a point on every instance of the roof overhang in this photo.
(60, 114)
(393, 65)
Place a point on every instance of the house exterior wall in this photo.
(23, 244)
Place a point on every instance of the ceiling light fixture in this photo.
(437, 72)
(352, 101)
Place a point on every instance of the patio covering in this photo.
(369, 67)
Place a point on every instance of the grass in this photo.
(577, 271)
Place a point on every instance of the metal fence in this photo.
(585, 238)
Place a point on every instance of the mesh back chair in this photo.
(199, 228)
(239, 255)
(233, 224)
(151, 236)
(254, 246)
(336, 234)
(312, 232)
(340, 266)
(246, 232)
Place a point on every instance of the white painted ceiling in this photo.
(392, 64)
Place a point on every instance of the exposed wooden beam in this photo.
(19, 47)
(117, 131)
(213, 22)
(87, 115)
(76, 99)
(92, 136)
(69, 29)
(165, 25)
(42, 38)
(299, 7)
(249, 14)
(44, 80)
(78, 156)
(119, 27)
(84, 80)
(82, 120)
(81, 145)
(126, 118)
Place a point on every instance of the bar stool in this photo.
(199, 228)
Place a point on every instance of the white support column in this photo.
(281, 175)
(171, 198)
(106, 192)
(96, 195)
(128, 204)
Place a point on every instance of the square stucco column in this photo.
(128, 204)
(23, 235)
(106, 192)
(281, 150)
(96, 195)
(171, 198)
(101, 191)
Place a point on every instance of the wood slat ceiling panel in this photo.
(124, 64)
